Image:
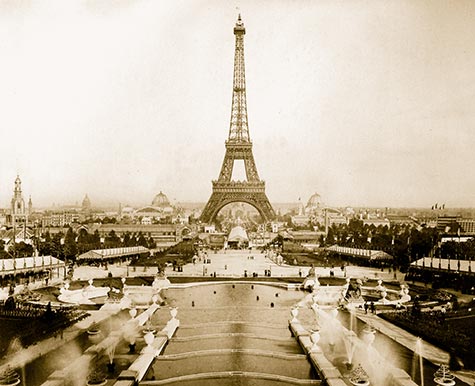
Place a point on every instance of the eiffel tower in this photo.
(238, 147)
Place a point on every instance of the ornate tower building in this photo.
(17, 208)
(238, 147)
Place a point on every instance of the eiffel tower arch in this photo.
(238, 147)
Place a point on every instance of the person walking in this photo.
(373, 308)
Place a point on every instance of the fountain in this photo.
(351, 308)
(96, 378)
(110, 350)
(332, 324)
(349, 341)
(368, 335)
(9, 377)
(443, 376)
(359, 377)
(93, 329)
(418, 353)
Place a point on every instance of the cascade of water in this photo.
(419, 352)
(110, 350)
(351, 309)
(350, 345)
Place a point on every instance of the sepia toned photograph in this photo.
(255, 193)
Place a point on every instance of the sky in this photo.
(368, 103)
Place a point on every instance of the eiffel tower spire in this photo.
(238, 147)
(238, 128)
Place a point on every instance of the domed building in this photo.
(314, 203)
(160, 207)
(161, 201)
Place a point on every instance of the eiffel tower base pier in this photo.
(224, 193)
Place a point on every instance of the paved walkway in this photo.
(233, 263)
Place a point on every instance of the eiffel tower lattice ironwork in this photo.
(238, 147)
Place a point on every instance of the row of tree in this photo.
(402, 241)
(71, 244)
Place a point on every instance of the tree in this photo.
(21, 249)
(151, 243)
(112, 240)
(96, 239)
(141, 240)
(45, 247)
(70, 248)
(56, 247)
(126, 242)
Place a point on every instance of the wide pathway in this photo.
(233, 263)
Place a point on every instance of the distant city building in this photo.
(334, 217)
(60, 219)
(86, 204)
(455, 225)
(395, 219)
(164, 235)
(301, 219)
(467, 225)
